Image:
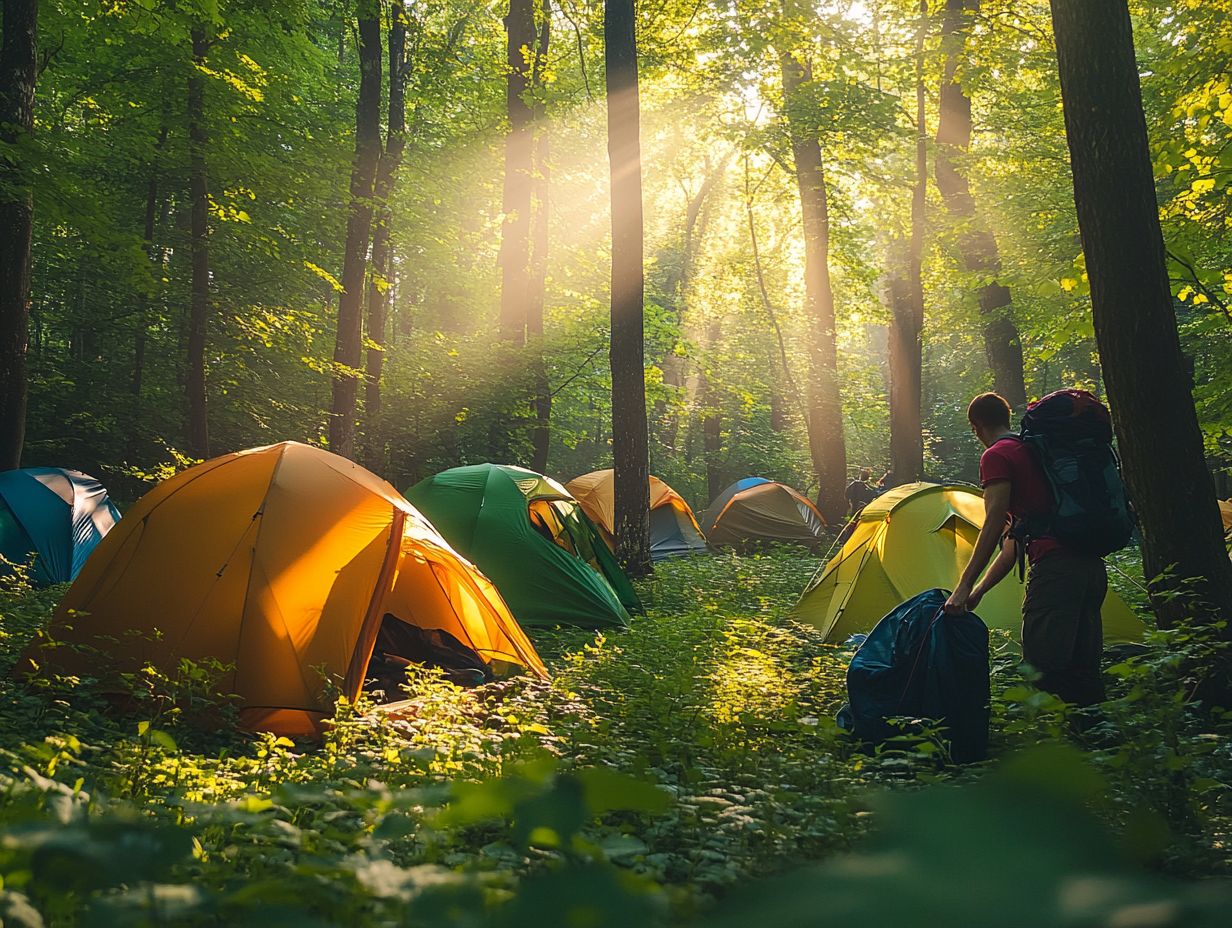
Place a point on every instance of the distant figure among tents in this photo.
(281, 561)
(915, 538)
(673, 527)
(860, 492)
(532, 539)
(756, 511)
(53, 517)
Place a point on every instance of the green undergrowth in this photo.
(661, 775)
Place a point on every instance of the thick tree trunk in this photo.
(198, 432)
(825, 408)
(348, 345)
(1135, 323)
(541, 437)
(381, 279)
(630, 440)
(18, 74)
(519, 171)
(907, 303)
(977, 245)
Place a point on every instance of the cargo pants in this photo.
(1062, 632)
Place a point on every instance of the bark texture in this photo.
(519, 169)
(1135, 322)
(907, 303)
(541, 435)
(825, 408)
(380, 284)
(18, 74)
(348, 344)
(198, 432)
(630, 441)
(977, 245)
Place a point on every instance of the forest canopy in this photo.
(727, 333)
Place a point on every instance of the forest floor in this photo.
(661, 770)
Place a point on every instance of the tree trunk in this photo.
(712, 423)
(764, 292)
(348, 345)
(18, 74)
(825, 408)
(676, 286)
(630, 440)
(537, 292)
(1135, 323)
(519, 171)
(976, 244)
(152, 254)
(380, 283)
(199, 233)
(907, 303)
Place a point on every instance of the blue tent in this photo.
(55, 515)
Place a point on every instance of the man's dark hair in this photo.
(989, 411)
(865, 473)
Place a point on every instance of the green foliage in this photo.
(660, 771)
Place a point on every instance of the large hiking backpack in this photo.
(919, 662)
(1070, 434)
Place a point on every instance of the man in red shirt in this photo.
(1062, 632)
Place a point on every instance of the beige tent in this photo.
(673, 527)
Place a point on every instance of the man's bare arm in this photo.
(996, 512)
(1001, 565)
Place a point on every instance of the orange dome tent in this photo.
(673, 527)
(280, 561)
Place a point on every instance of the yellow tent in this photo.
(911, 539)
(673, 527)
(1225, 513)
(280, 561)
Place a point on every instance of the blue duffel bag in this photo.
(919, 662)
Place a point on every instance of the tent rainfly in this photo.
(755, 510)
(281, 562)
(911, 539)
(532, 539)
(55, 517)
(673, 527)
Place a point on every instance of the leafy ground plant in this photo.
(661, 769)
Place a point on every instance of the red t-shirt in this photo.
(1030, 495)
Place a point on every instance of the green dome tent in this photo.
(531, 538)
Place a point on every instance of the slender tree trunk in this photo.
(152, 201)
(199, 233)
(1135, 323)
(712, 423)
(907, 303)
(630, 440)
(541, 437)
(519, 171)
(677, 284)
(977, 245)
(348, 345)
(18, 74)
(825, 408)
(380, 282)
(764, 292)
